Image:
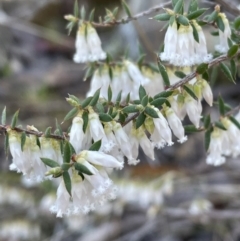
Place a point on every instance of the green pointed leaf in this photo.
(4, 116)
(158, 102)
(105, 117)
(95, 98)
(233, 68)
(86, 102)
(81, 175)
(14, 120)
(76, 9)
(130, 109)
(100, 108)
(232, 51)
(67, 182)
(83, 169)
(119, 98)
(207, 121)
(58, 127)
(115, 11)
(91, 15)
(6, 144)
(142, 92)
(128, 98)
(213, 16)
(202, 68)
(214, 75)
(174, 2)
(50, 162)
(47, 132)
(122, 118)
(89, 72)
(140, 120)
(182, 20)
(109, 93)
(220, 23)
(190, 92)
(221, 106)
(38, 142)
(205, 76)
(195, 33)
(196, 14)
(190, 129)
(72, 113)
(73, 97)
(96, 146)
(230, 43)
(234, 121)
(126, 8)
(23, 140)
(171, 21)
(215, 33)
(164, 94)
(151, 112)
(227, 72)
(162, 17)
(67, 153)
(85, 121)
(66, 166)
(164, 74)
(237, 23)
(144, 101)
(220, 125)
(178, 6)
(193, 6)
(83, 13)
(180, 74)
(207, 139)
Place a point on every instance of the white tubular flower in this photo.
(162, 133)
(126, 84)
(155, 85)
(223, 47)
(135, 73)
(76, 133)
(123, 143)
(201, 53)
(193, 110)
(139, 137)
(207, 92)
(116, 83)
(94, 44)
(199, 207)
(185, 47)
(51, 149)
(170, 43)
(109, 140)
(82, 49)
(176, 125)
(95, 126)
(215, 157)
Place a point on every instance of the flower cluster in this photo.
(224, 142)
(88, 45)
(180, 48)
(127, 78)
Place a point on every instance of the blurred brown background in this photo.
(155, 199)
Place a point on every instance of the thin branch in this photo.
(135, 17)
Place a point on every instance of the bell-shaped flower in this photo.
(176, 125)
(207, 92)
(223, 47)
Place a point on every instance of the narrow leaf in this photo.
(142, 92)
(162, 17)
(178, 7)
(237, 23)
(190, 129)
(202, 68)
(119, 98)
(207, 139)
(67, 182)
(190, 92)
(151, 112)
(213, 16)
(164, 94)
(14, 120)
(234, 121)
(140, 120)
(126, 8)
(158, 102)
(233, 68)
(130, 109)
(221, 106)
(86, 102)
(196, 14)
(144, 101)
(220, 23)
(95, 98)
(91, 15)
(76, 9)
(109, 93)
(83, 169)
(96, 146)
(232, 51)
(6, 144)
(195, 33)
(182, 20)
(73, 112)
(50, 162)
(85, 121)
(227, 72)
(4, 116)
(47, 132)
(100, 107)
(164, 74)
(23, 140)
(193, 6)
(220, 125)
(180, 74)
(207, 121)
(67, 153)
(105, 117)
